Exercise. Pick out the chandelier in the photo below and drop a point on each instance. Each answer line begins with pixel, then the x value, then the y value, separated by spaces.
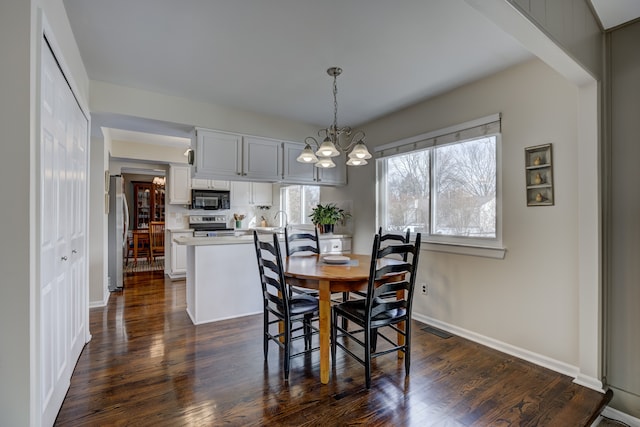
pixel 336 140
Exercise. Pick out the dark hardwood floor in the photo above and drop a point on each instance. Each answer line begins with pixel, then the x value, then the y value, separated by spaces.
pixel 148 365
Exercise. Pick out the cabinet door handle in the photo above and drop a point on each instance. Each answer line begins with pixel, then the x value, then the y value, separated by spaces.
pixel 74 251
pixel 64 258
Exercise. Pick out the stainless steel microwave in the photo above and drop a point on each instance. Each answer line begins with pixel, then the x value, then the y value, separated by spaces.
pixel 210 199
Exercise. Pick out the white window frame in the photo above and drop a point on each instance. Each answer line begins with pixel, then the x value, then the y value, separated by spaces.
pixel 283 202
pixel 475 129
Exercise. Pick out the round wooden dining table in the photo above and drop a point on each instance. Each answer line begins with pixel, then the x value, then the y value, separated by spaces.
pixel 313 272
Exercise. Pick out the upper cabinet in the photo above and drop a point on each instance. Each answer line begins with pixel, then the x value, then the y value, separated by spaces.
pixel 218 154
pixel 301 173
pixel 178 186
pixel 226 155
pixel 210 184
pixel 262 159
pixel 251 193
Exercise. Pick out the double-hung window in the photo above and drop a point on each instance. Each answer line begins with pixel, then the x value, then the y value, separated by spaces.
pixel 298 201
pixel 445 185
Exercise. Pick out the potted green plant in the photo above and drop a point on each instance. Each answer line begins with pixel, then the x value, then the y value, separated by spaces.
pixel 325 217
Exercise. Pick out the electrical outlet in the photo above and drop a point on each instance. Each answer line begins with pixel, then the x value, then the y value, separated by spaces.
pixel 424 288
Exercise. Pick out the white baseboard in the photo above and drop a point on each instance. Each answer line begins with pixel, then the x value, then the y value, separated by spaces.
pixel 176 276
pixel 529 356
pixel 616 415
pixel 103 303
pixel 589 382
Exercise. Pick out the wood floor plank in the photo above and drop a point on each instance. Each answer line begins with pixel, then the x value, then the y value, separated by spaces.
pixel 148 365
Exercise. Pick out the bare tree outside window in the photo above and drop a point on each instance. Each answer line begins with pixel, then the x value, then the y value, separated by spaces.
pixel 408 192
pixel 298 201
pixel 461 200
pixel 465 189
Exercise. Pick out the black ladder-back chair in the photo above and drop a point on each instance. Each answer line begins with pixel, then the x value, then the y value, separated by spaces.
pixel 280 306
pixel 381 308
pixel 302 242
pixel 394 239
pixel 390 239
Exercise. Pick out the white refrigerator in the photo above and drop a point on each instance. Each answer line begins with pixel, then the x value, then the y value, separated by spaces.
pixel 118 230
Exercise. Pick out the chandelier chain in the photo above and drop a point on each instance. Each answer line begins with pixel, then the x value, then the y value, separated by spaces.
pixel 335 108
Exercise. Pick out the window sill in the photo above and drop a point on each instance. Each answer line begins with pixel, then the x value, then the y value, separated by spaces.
pixel 481 251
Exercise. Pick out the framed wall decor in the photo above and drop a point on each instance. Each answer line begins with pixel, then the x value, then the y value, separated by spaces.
pixel 539 175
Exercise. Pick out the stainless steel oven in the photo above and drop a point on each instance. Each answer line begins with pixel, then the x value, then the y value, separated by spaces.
pixel 209 225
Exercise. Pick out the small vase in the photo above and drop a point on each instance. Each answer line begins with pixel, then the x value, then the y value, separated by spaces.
pixel 238 224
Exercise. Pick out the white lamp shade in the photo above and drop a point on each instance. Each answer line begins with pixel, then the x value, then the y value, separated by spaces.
pixel 327 149
pixel 353 161
pixel 360 151
pixel 325 163
pixel 307 156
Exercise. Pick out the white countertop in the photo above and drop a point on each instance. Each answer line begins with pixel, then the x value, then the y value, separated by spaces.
pixel 238 240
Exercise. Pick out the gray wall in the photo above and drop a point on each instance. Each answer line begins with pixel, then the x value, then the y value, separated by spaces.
pixel 571 24
pixel 540 269
pixel 623 315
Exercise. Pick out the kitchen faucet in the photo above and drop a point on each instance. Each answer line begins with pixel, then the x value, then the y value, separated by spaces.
pixel 286 218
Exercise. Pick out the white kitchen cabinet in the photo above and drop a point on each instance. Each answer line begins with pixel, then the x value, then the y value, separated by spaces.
pixel 217 154
pixel 210 184
pixel 177 254
pixel 261 194
pixel 262 159
pixel 334 176
pixel 245 193
pixel 221 154
pixel 294 171
pixel 304 173
pixel 179 184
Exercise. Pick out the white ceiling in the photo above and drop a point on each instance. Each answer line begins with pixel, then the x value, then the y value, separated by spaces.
pixel 616 12
pixel 271 56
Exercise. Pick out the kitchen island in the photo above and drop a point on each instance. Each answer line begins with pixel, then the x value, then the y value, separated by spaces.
pixel 222 274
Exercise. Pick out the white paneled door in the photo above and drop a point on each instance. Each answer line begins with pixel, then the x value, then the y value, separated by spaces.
pixel 63 308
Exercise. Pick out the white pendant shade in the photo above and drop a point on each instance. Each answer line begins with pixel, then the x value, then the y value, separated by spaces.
pixel 327 149
pixel 307 156
pixel 360 152
pixel 356 162
pixel 325 163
